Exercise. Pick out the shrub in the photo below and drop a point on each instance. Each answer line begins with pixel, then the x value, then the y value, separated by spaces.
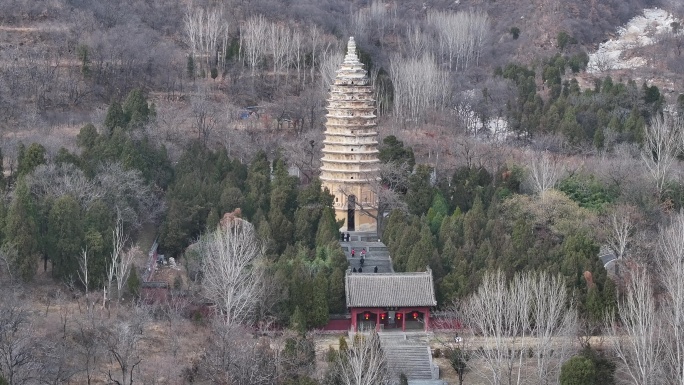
pixel 578 370
pixel 178 282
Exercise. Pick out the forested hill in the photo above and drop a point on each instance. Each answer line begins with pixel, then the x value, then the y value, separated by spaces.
pixel 506 160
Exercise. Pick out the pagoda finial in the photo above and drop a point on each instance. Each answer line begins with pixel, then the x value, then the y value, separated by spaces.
pixel 351 49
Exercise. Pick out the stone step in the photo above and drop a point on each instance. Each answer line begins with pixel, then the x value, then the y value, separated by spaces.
pixel 383 266
pixel 411 359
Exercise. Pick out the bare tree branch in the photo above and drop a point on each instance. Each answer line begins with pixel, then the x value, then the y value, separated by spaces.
pixel 663 139
pixel 670 264
pixel 636 332
pixel 545 170
pixel 232 273
pixel 364 362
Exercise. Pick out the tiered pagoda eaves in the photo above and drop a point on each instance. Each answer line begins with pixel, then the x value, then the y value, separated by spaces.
pixel 350 152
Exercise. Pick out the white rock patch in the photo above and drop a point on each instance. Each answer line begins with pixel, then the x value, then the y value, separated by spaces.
pixel 641 31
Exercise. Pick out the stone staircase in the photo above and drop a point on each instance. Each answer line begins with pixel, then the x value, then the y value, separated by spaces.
pixel 377 253
pixel 409 356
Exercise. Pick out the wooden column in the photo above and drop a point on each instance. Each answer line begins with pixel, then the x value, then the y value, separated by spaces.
pixel 426 318
pixel 403 321
pixel 377 321
pixel 353 320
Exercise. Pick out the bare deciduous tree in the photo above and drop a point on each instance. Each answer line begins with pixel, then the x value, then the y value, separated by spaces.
pixel 86 347
pixel 83 273
pixel 545 170
pixel 18 361
pixel 662 142
pixel 621 224
pixel 121 259
pixel 636 333
pixel 55 180
pixel 126 192
pixel 419 86
pixel 363 363
pixel 236 357
pixel 205 115
pixel 417 42
pixel 279 41
pixel 461 35
pixel 303 151
pixel 253 41
pixel 122 339
pixel 551 318
pixel 232 271
pixel 670 263
pixel 330 61
pixel 370 23
pixel 203 29
pixel 505 314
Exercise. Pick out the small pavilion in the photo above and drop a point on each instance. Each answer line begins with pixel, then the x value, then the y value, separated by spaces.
pixel 390 301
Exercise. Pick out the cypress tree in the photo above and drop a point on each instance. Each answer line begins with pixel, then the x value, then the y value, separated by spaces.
pixel 115 118
pixel 136 109
pixel 298 321
pixel 578 370
pixel 421 252
pixel 258 186
pixel 336 293
pixel 327 228
pixel 420 191
pixel 30 158
pixel 65 236
pixel 21 231
pixel 306 224
pixel 319 315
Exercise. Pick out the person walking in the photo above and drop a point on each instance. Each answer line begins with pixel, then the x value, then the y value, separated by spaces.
pixel 353 252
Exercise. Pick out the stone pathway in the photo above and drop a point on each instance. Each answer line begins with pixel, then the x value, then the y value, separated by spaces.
pixel 377 254
pixel 410 352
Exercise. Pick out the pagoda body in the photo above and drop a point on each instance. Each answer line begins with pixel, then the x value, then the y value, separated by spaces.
pixel 350 153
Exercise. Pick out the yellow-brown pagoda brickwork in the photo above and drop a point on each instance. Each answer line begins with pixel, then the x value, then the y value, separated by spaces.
pixel 350 153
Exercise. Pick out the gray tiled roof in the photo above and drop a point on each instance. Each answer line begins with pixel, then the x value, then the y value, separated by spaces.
pixel 390 290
